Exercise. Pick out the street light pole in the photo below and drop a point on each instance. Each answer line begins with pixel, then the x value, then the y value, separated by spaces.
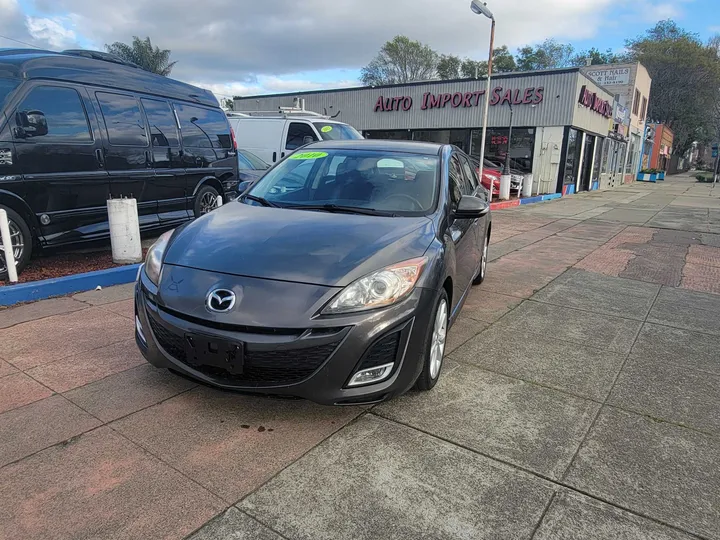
pixel 480 8
pixel 507 156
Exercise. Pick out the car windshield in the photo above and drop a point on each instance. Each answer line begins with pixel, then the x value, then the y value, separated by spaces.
pixel 333 132
pixel 6 87
pixel 248 160
pixel 342 180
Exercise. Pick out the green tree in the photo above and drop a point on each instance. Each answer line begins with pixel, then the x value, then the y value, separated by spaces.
pixel 401 61
pixel 597 57
pixel 448 67
pixel 473 68
pixel 685 76
pixel 549 54
pixel 142 53
pixel 503 60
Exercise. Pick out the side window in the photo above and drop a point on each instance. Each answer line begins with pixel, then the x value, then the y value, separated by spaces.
pixel 203 128
pixel 163 130
pixel 297 133
pixel 123 119
pixel 457 182
pixel 243 162
pixel 470 173
pixel 53 114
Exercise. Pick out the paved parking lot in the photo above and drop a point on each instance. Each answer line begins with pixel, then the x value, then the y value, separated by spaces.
pixel 580 399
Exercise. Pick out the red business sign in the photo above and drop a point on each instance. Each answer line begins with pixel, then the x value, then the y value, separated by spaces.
pixel 595 102
pixel 499 96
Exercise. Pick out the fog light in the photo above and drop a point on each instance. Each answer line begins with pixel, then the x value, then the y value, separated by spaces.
pixel 139 330
pixel 372 375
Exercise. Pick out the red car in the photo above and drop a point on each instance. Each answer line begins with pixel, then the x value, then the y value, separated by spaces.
pixel 490 177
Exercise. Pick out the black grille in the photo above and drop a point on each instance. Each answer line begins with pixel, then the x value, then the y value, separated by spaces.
pixel 381 353
pixel 260 367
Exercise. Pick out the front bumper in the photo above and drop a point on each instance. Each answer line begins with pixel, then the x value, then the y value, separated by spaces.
pixel 314 362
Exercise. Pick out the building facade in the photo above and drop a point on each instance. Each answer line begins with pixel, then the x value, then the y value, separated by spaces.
pixel 560 119
pixel 661 138
pixel 630 85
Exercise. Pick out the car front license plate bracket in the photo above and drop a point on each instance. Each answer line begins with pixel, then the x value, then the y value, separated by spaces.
pixel 210 351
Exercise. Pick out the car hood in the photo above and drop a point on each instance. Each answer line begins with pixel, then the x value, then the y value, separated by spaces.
pixel 302 246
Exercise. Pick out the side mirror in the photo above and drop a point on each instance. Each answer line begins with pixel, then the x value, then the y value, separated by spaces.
pixel 244 186
pixel 31 124
pixel 307 139
pixel 471 207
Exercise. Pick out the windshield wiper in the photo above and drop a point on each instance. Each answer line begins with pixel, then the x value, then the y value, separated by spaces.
pixel 262 201
pixel 337 209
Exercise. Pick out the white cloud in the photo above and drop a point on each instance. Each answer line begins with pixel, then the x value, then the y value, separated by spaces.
pixel 269 85
pixel 230 40
pixel 50 31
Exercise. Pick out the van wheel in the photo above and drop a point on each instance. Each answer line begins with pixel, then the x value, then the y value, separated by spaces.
pixel 205 200
pixel 21 240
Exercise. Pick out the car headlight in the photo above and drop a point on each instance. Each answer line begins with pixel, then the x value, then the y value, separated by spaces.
pixel 153 260
pixel 381 288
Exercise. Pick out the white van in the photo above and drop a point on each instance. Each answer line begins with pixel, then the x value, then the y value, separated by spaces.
pixel 272 136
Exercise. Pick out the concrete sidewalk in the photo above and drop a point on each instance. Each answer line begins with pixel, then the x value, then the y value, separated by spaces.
pixel 580 399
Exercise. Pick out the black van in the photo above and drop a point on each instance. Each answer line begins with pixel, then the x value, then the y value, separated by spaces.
pixel 79 127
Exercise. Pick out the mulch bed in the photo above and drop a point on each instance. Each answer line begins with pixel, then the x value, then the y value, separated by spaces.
pixel 65 264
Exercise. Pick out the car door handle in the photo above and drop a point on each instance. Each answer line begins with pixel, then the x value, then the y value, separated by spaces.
pixel 274 157
pixel 100 157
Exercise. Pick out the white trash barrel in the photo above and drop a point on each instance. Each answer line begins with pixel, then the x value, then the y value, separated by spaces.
pixel 505 187
pixel 527 185
pixel 124 231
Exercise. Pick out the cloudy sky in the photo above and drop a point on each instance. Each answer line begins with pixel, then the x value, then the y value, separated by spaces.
pixel 245 47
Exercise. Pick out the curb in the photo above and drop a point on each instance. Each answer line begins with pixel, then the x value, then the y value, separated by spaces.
pixel 528 200
pixel 47 288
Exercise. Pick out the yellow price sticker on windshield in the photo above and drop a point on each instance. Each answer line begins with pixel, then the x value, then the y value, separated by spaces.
pixel 309 155
pixel 326 129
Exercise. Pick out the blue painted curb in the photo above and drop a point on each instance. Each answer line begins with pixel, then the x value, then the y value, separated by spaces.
pixel 39 290
pixel 551 196
pixel 530 200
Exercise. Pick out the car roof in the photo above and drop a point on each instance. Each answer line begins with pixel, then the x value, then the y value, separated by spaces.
pixel 97 69
pixel 410 147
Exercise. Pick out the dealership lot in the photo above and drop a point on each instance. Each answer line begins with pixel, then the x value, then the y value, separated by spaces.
pixel 580 400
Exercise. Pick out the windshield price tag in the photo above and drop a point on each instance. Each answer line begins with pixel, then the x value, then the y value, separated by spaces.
pixel 326 129
pixel 309 155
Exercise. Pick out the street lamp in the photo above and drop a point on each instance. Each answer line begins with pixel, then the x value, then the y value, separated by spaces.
pixel 480 8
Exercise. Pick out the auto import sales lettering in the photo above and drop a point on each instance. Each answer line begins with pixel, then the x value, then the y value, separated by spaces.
pixel 499 96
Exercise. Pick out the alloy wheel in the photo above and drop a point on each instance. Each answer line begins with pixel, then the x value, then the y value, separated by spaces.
pixel 16 238
pixel 437 347
pixel 208 202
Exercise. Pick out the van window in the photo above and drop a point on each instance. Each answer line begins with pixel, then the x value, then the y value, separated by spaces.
pixel 163 130
pixel 6 87
pixel 123 119
pixel 331 131
pixel 203 128
pixel 53 113
pixel 297 133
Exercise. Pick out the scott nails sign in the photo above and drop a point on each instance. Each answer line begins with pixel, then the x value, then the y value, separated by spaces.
pixel 528 96
pixel 595 102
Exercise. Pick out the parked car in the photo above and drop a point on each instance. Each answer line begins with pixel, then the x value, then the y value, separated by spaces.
pixel 80 127
pixel 272 136
pixel 250 169
pixel 492 170
pixel 340 292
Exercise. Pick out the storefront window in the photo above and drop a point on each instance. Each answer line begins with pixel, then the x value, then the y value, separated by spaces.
pixel 621 157
pixel 605 156
pixel 397 135
pixel 632 158
pixel 458 137
pixel 598 159
pixel 572 156
pixel 496 146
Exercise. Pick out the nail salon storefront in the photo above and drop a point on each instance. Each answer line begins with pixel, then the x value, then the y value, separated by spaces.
pixel 560 119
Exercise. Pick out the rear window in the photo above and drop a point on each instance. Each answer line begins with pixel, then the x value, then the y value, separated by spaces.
pixel 333 132
pixel 203 128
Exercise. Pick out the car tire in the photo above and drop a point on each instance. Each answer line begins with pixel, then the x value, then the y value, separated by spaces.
pixel 205 200
pixel 19 231
pixel 483 262
pixel 434 346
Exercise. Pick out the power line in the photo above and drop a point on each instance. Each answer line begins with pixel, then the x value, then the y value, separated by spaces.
pixel 22 42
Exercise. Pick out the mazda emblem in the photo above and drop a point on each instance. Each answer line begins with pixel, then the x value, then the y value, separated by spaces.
pixel 220 300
